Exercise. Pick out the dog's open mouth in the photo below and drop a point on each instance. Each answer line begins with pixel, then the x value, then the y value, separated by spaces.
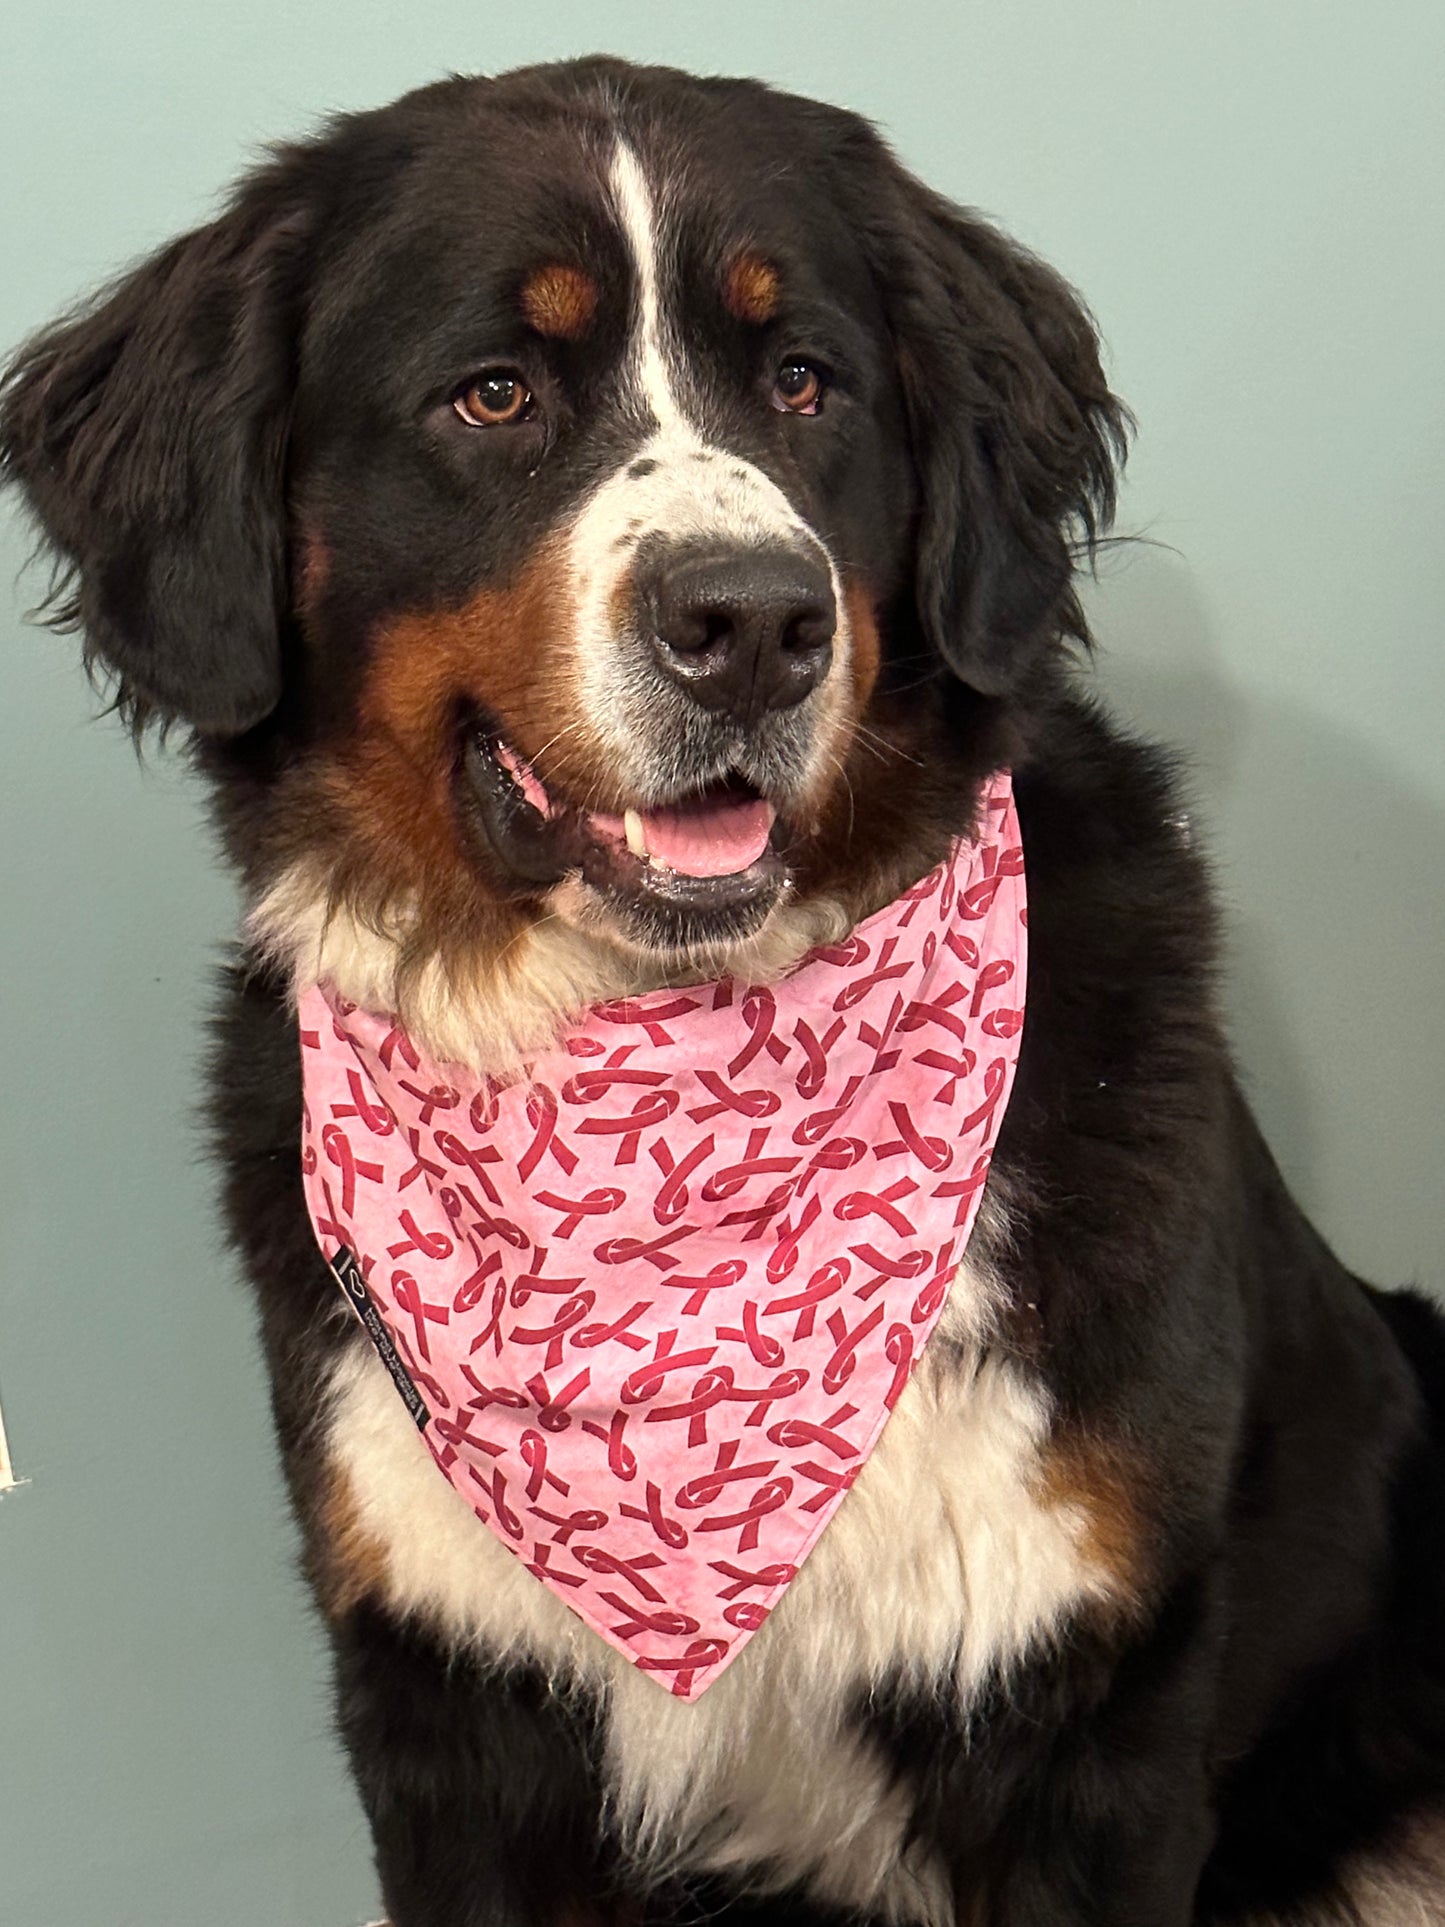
pixel 703 866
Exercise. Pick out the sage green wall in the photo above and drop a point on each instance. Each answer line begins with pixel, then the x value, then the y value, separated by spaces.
pixel 1253 198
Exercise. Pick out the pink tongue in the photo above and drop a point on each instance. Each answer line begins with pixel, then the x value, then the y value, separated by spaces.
pixel 709 839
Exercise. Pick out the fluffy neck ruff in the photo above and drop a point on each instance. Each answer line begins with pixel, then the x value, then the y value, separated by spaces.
pixel 489 1012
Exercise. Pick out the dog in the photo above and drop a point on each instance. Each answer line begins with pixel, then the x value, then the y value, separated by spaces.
pixel 609 538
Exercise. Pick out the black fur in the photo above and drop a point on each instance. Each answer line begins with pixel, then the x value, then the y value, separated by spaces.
pixel 1014 431
pixel 150 436
pixel 1277 1702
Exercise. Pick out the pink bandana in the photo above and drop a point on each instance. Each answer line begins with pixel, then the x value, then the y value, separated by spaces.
pixel 653 1301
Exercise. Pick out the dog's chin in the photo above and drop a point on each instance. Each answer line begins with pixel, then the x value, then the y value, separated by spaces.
pixel 684 882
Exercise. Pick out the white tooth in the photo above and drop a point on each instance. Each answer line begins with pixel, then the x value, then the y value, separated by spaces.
pixel 632 829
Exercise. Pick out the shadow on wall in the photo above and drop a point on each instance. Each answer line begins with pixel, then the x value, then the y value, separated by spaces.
pixel 1330 869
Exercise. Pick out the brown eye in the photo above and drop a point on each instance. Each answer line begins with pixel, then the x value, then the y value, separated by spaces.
pixel 798 389
pixel 494 399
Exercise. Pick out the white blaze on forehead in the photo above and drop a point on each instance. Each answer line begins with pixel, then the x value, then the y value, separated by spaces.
pixel 722 483
pixel 690 490
pixel 633 199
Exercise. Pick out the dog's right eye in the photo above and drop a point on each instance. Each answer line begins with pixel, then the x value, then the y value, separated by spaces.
pixel 799 387
pixel 494 399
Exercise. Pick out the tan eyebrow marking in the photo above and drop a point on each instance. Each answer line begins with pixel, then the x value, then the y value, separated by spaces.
pixel 560 301
pixel 752 288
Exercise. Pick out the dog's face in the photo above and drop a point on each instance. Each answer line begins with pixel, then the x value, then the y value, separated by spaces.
pixel 604 463
pixel 576 499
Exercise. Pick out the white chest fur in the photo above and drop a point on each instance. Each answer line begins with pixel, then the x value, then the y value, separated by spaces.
pixel 948 1559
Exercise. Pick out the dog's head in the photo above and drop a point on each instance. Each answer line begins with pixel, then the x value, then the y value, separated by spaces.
pixel 595 502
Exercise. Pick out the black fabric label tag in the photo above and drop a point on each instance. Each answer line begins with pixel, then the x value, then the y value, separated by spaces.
pixel 348 1276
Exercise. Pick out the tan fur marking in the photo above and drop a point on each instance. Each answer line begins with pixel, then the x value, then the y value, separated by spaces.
pixel 843 796
pixel 1092 1476
pixel 312 569
pixel 752 288
pixel 867 649
pixel 560 301
pixel 383 836
pixel 353 1564
pixel 500 649
pixel 392 784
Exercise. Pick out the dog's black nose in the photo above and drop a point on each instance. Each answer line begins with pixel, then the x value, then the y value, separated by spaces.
pixel 744 631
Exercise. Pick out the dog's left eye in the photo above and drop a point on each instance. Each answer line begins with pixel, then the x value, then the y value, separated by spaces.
pixel 494 398
pixel 798 388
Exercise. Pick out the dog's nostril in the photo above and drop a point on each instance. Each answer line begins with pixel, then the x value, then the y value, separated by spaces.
pixel 809 630
pixel 694 632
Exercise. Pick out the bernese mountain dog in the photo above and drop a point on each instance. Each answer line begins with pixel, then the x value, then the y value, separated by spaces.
pixel 603 533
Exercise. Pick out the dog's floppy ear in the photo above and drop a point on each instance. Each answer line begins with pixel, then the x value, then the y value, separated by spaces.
pixel 1016 437
pixel 149 435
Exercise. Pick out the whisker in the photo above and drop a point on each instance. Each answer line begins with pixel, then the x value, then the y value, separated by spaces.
pixel 527 930
pixel 872 748
pixel 842 770
pixel 871 739
pixel 566 730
